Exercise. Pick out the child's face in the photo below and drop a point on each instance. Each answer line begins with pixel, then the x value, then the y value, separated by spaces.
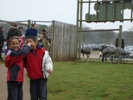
pixel 33 44
pixel 14 44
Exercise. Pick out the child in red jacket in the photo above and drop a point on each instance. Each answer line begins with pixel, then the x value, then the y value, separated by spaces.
pixel 15 65
pixel 34 59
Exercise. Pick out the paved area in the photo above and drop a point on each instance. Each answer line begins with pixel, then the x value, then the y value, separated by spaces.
pixel 95 54
pixel 3 84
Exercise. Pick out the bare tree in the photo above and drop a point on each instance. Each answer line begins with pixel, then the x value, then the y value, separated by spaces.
pixel 86 35
pixel 130 33
pixel 107 36
pixel 128 36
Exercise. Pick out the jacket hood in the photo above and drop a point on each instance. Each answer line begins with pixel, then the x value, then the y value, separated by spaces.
pixel 13 29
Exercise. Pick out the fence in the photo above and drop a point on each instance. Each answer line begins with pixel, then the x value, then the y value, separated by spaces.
pixel 64 41
pixel 63 36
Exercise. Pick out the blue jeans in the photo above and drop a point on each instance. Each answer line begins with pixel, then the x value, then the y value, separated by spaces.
pixel 111 58
pixel 38 89
pixel 15 91
pixel 121 57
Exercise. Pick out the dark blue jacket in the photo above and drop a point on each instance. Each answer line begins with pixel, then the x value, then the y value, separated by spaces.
pixel 14 63
pixel 1 38
pixel 31 32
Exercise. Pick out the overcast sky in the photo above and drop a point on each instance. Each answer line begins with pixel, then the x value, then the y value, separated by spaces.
pixel 47 10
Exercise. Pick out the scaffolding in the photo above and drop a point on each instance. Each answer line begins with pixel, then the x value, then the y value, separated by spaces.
pixel 106 11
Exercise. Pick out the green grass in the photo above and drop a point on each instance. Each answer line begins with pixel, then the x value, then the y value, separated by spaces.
pixel 92 80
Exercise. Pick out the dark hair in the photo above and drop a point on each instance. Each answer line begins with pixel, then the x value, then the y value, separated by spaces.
pixel 43 30
pixel 20 28
pixel 14 24
pixel 1 28
pixel 33 25
pixel 15 37
pixel 32 37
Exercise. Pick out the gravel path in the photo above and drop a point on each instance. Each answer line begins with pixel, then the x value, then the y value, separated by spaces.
pixel 3 84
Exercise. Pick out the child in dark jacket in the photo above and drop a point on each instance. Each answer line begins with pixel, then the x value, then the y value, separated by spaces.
pixel 13 31
pixel 15 65
pixel 38 78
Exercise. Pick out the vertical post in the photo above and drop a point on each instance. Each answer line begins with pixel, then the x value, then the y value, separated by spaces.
pixel 113 10
pixel 77 27
pixel 80 33
pixel 97 10
pixel 105 15
pixel 119 41
pixel 123 7
pixel 33 22
pixel 89 9
pixel 52 40
pixel 131 12
pixel 29 23
pixel 119 37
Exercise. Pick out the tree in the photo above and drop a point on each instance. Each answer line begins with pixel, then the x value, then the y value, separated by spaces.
pixel 128 36
pixel 86 36
pixel 130 33
pixel 107 36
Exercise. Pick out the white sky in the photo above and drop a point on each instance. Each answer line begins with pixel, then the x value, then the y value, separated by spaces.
pixel 48 10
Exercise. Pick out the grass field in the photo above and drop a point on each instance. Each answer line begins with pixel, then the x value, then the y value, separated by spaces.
pixel 92 80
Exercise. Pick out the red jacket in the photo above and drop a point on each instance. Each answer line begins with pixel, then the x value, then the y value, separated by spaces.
pixel 14 63
pixel 34 63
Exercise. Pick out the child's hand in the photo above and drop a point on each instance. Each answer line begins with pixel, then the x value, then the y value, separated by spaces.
pixel 29 44
pixel 49 71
